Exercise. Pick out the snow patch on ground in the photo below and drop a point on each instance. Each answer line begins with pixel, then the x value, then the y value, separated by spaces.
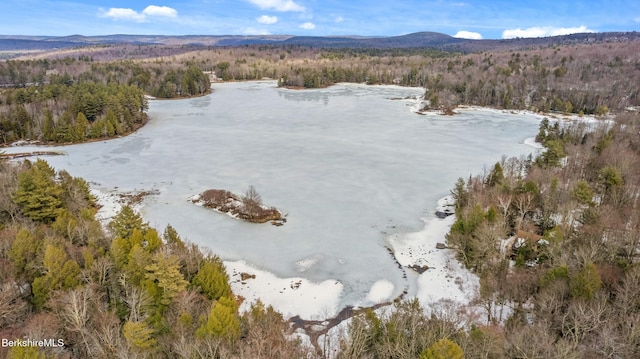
pixel 381 291
pixel 445 278
pixel 289 296
pixel 531 141
pixel 109 202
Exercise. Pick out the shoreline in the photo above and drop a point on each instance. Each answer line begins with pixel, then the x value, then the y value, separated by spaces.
pixel 30 142
pixel 416 109
pixel 437 272
pixel 310 302
pixel 39 143
pixel 312 308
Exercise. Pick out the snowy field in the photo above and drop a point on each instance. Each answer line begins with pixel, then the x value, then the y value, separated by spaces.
pixel 355 170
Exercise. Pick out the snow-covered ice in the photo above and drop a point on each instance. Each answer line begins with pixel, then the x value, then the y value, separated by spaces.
pixel 445 277
pixel 289 296
pixel 350 168
pixel 381 291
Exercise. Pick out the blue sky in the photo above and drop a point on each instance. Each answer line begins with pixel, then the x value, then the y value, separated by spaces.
pixel 462 18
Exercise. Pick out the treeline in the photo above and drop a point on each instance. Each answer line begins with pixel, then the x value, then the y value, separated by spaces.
pixel 75 100
pixel 60 112
pixel 129 292
pixel 299 66
pixel 158 78
pixel 588 79
pixel 567 282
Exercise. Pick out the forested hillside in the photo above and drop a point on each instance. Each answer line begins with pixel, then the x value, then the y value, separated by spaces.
pixel 566 284
pixel 588 79
pixel 128 292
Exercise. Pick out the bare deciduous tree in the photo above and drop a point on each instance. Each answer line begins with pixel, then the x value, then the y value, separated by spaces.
pixel 252 200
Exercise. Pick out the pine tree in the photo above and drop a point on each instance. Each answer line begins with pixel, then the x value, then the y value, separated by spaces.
pixel 139 336
pixel 582 192
pixel 496 176
pixel 586 283
pixel 460 194
pixel 164 271
pixel 60 273
pixel 38 195
pixel 443 349
pixel 48 128
pixel 125 222
pixel 222 321
pixel 172 238
pixel 212 279
pixel 23 254
pixel 81 127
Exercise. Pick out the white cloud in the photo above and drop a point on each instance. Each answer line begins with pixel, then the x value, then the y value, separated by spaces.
pixel 268 20
pixel 462 34
pixel 278 5
pixel 307 26
pixel 153 10
pixel 124 14
pixel 132 15
pixel 339 19
pixel 543 31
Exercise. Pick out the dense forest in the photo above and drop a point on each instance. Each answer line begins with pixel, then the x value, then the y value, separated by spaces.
pixel 73 100
pixel 125 291
pixel 553 238
pixel 566 284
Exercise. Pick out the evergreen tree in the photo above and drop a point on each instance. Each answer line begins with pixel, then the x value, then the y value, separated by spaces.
pixel 24 253
pixel 81 127
pixel 172 238
pixel 443 349
pixel 164 272
pixel 38 195
pixel 223 321
pixel 496 176
pixel 48 128
pixel 212 279
pixel 554 152
pixel 125 222
pixel 60 273
pixel 460 194
pixel 586 283
pixel 582 192
pixel 139 336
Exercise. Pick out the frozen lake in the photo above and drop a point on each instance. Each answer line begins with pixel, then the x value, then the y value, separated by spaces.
pixel 349 164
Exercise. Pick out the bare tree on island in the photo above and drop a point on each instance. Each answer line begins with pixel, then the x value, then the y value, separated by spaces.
pixel 252 201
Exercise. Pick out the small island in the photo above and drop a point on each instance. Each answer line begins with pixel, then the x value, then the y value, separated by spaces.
pixel 248 207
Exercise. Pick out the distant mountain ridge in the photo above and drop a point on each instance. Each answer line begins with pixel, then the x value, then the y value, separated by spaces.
pixel 419 39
